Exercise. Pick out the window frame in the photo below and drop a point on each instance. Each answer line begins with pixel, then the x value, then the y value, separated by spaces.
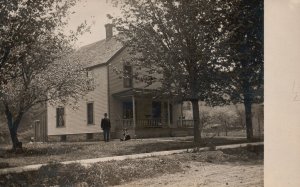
pixel 127 109
pixel 87 113
pixel 58 113
pixel 127 76
pixel 90 80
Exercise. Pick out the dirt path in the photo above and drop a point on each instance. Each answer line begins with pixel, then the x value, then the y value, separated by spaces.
pixel 209 174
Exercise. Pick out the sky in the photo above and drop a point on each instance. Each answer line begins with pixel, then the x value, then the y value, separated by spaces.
pixel 94 12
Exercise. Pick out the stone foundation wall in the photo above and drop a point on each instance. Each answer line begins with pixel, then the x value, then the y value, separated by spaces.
pixel 79 137
pixel 137 133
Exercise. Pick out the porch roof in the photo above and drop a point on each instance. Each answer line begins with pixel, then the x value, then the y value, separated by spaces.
pixel 137 92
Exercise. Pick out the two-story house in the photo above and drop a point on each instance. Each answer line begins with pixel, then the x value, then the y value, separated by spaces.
pixel 128 102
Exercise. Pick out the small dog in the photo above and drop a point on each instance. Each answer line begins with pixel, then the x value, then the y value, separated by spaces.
pixel 126 136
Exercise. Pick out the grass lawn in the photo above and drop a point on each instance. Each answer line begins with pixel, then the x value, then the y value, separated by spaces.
pixel 238 166
pixel 37 153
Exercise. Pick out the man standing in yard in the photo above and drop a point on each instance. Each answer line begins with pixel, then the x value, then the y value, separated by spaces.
pixel 105 126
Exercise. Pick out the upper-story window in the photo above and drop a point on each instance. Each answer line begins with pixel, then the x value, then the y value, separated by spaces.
pixel 127 76
pixel 90 80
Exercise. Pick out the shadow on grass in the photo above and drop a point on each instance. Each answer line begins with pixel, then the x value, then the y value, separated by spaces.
pixel 246 155
pixel 118 172
pixel 77 150
pixel 250 155
pixel 39 151
pixel 99 174
pixel 179 144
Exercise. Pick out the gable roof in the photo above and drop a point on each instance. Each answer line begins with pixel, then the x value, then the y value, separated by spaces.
pixel 99 52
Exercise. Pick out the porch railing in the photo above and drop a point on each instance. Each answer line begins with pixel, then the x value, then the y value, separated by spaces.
pixel 149 122
pixel 125 123
pixel 186 123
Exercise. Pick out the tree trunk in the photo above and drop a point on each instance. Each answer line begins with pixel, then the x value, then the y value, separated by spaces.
pixel 13 128
pixel 226 128
pixel 248 114
pixel 14 138
pixel 197 125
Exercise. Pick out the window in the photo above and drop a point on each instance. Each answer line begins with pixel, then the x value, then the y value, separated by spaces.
pixel 127 76
pixel 90 113
pixel 156 109
pixel 90 80
pixel 60 117
pixel 127 110
pixel 171 113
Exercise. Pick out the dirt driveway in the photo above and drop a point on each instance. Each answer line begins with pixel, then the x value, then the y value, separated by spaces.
pixel 209 174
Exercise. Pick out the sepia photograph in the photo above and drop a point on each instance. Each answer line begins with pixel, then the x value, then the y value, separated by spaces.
pixel 140 93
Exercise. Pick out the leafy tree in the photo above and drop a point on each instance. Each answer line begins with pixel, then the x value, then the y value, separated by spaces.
pixel 176 39
pixel 35 65
pixel 60 82
pixel 205 117
pixel 243 48
pixel 224 116
pixel 24 23
pixel 241 116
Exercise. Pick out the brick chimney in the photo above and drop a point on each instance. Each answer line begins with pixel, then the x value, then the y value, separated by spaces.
pixel 109 30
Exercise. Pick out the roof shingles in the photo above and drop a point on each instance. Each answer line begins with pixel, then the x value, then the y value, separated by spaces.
pixel 98 53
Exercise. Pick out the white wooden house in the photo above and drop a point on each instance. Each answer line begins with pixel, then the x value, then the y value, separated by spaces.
pixel 65 120
pixel 128 103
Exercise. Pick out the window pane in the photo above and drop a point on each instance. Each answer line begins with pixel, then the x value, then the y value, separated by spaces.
pixel 90 113
pixel 127 76
pixel 171 113
pixel 90 80
pixel 156 109
pixel 60 121
pixel 127 110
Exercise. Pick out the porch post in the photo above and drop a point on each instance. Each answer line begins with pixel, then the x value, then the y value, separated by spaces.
pixel 181 114
pixel 133 111
pixel 169 120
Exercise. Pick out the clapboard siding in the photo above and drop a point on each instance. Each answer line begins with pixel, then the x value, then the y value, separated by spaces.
pixel 115 79
pixel 116 85
pixel 76 119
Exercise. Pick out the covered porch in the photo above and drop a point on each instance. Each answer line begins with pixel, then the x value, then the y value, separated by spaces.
pixel 141 109
pixel 144 114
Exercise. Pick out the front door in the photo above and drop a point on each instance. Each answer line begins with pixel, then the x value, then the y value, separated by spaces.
pixel 156 109
pixel 127 110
